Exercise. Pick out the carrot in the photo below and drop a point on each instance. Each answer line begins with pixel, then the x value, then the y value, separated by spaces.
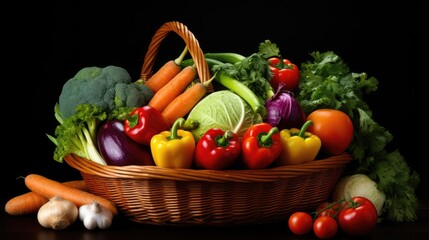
pixel 183 104
pixel 164 74
pixel 27 203
pixel 50 188
pixel 173 88
pixel 30 202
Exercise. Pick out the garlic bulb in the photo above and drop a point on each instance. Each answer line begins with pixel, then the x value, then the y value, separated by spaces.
pixel 58 213
pixel 95 215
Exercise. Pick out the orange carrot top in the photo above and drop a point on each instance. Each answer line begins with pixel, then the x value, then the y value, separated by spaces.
pixel 173 88
pixel 167 72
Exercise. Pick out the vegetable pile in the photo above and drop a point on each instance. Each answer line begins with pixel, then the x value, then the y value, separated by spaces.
pixel 265 112
pixel 327 82
pixel 59 205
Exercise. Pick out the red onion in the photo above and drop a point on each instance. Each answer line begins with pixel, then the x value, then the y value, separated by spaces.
pixel 284 110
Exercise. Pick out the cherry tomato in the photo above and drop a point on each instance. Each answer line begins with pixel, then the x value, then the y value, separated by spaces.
pixel 358 217
pixel 325 227
pixel 333 127
pixel 328 209
pixel 300 223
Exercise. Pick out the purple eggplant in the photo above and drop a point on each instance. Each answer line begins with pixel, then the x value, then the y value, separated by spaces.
pixel 118 149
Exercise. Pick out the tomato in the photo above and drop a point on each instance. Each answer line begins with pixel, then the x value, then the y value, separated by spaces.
pixel 334 128
pixel 328 209
pixel 358 217
pixel 325 227
pixel 300 223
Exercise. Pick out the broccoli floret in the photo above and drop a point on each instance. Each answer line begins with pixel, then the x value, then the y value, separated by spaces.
pixel 92 96
pixel 109 88
pixel 78 133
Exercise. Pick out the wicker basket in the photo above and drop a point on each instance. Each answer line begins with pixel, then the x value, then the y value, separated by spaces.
pixel 155 195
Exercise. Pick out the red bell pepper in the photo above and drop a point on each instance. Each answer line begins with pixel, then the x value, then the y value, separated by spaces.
pixel 261 145
pixel 284 72
pixel 143 123
pixel 217 149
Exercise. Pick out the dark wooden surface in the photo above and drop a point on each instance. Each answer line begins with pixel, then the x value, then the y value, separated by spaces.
pixel 27 227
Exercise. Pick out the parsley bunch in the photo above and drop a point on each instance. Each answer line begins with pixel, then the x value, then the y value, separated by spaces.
pixel 327 82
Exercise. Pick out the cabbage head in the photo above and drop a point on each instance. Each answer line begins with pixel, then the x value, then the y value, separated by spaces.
pixel 225 110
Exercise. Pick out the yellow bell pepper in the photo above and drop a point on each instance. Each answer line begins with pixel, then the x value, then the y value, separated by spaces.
pixel 298 145
pixel 173 149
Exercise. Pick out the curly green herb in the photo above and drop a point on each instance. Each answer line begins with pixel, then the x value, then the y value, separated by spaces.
pixel 327 82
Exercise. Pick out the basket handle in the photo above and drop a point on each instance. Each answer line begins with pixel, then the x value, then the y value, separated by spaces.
pixel 191 42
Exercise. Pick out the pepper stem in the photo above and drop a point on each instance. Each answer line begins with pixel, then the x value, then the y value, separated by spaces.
pixel 281 64
pixel 223 141
pixel 304 127
pixel 176 125
pixel 133 120
pixel 266 139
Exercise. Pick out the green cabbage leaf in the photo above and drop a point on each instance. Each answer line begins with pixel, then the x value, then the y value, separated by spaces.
pixel 225 110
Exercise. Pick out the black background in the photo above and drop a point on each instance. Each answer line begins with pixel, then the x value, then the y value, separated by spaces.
pixel 51 42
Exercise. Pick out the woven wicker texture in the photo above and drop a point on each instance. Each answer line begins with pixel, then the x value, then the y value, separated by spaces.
pixel 191 42
pixel 154 195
